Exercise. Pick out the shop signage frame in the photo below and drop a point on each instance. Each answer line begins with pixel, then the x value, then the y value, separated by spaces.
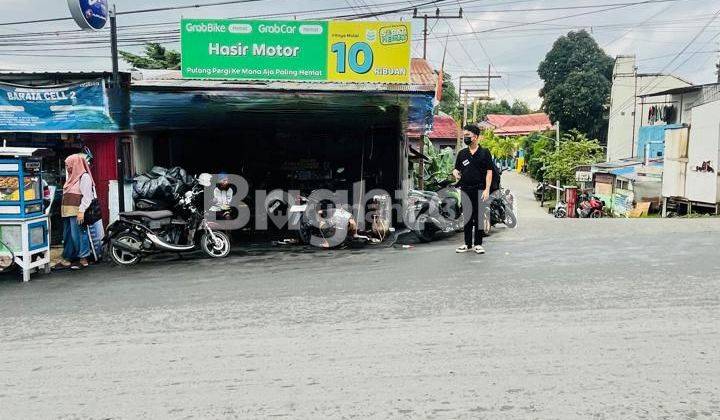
pixel 304 51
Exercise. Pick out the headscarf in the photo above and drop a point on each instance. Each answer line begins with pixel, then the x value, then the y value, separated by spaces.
pixel 76 165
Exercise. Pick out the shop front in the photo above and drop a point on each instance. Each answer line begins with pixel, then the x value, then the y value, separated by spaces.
pixel 67 113
pixel 280 135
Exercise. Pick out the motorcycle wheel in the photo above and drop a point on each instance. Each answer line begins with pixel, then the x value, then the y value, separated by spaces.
pixel 596 214
pixel 219 249
pixel 560 213
pixel 510 219
pixel 427 230
pixel 122 257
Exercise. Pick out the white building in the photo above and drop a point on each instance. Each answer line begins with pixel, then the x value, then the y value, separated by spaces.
pixel 628 111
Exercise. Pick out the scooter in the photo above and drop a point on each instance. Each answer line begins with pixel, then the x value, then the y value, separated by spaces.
pixel 429 213
pixel 138 234
pixel 501 209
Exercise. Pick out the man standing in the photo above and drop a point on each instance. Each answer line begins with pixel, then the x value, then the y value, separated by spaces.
pixel 473 168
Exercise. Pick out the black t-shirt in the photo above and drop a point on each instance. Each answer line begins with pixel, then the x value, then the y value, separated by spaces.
pixel 473 168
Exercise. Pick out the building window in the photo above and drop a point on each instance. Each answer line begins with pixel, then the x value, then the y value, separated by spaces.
pixel 622 185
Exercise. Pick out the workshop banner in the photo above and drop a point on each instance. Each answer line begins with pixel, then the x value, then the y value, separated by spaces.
pixel 73 108
pixel 326 51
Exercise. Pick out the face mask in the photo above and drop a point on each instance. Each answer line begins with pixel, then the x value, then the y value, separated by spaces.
pixel 467 140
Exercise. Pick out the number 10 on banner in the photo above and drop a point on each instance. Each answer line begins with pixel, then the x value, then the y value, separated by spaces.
pixel 359 57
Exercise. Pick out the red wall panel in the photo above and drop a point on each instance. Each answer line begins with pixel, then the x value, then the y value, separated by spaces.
pixel 104 166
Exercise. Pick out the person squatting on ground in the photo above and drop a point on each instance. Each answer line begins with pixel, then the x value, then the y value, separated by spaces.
pixel 78 194
pixel 473 170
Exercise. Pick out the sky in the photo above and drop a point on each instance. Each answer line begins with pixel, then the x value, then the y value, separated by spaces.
pixel 510 36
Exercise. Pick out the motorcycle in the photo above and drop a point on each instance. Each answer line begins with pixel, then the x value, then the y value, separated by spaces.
pixel 501 209
pixel 590 206
pixel 429 213
pixel 542 189
pixel 317 221
pixel 138 234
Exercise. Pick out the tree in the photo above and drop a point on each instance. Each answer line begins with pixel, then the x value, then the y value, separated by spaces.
pixel 156 57
pixel 520 108
pixel 503 108
pixel 577 75
pixel 575 150
pixel 449 104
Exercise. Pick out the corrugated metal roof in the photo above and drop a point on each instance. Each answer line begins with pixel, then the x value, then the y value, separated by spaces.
pixel 518 124
pixel 422 79
pixel 444 127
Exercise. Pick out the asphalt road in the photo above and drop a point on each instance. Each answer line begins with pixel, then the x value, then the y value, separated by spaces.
pixel 561 319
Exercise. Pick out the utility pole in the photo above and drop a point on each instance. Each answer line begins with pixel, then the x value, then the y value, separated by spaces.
pixel 116 92
pixel 483 93
pixel 426 31
pixel 557 147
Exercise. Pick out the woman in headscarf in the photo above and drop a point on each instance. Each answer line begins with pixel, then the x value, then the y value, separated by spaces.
pixel 78 193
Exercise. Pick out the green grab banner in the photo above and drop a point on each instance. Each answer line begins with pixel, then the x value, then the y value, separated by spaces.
pixel 254 50
pixel 328 51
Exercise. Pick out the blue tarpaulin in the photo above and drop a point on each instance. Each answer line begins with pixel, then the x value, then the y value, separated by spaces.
pixel 75 108
pixel 652 133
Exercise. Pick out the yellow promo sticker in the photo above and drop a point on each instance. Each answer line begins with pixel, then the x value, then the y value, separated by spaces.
pixel 369 52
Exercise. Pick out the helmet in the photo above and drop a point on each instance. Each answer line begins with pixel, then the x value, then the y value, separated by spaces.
pixel 205 179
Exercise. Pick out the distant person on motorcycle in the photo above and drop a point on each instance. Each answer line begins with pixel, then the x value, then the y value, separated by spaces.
pixel 474 171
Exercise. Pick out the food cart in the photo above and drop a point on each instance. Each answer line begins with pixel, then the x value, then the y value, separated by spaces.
pixel 24 226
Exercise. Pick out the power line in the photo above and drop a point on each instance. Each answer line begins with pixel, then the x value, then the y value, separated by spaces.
pixel 132 12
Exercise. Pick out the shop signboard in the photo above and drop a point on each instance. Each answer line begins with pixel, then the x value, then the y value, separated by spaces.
pixel 73 108
pixel 583 176
pixel 325 51
pixel 90 14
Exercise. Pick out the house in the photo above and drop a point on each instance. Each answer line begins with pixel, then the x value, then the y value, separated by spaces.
pixel 623 184
pixel 445 132
pixel 692 147
pixel 516 125
pixel 630 109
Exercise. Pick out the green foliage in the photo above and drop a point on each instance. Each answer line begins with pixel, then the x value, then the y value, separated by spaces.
pixel 535 145
pixel 450 103
pixel 575 150
pixel 577 75
pixel 500 147
pixel 503 108
pixel 156 57
pixel 438 168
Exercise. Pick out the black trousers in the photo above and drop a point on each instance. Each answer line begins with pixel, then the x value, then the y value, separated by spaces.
pixel 473 216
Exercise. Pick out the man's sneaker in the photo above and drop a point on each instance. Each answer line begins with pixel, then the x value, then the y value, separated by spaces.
pixel 479 249
pixel 462 249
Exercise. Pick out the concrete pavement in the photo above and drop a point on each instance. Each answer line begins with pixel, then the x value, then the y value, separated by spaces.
pixel 561 319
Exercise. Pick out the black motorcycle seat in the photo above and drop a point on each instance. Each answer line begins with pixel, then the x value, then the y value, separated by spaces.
pixel 152 215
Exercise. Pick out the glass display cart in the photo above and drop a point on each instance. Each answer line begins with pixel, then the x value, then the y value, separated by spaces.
pixel 24 226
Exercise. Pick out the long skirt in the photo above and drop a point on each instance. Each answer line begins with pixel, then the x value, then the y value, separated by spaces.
pixel 82 241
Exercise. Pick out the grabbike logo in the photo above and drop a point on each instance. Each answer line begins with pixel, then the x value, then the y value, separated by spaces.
pixel 328 217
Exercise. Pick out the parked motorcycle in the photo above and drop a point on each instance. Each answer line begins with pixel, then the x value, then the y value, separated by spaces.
pixel 429 213
pixel 501 209
pixel 590 206
pixel 138 234
pixel 542 188
pixel 317 221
